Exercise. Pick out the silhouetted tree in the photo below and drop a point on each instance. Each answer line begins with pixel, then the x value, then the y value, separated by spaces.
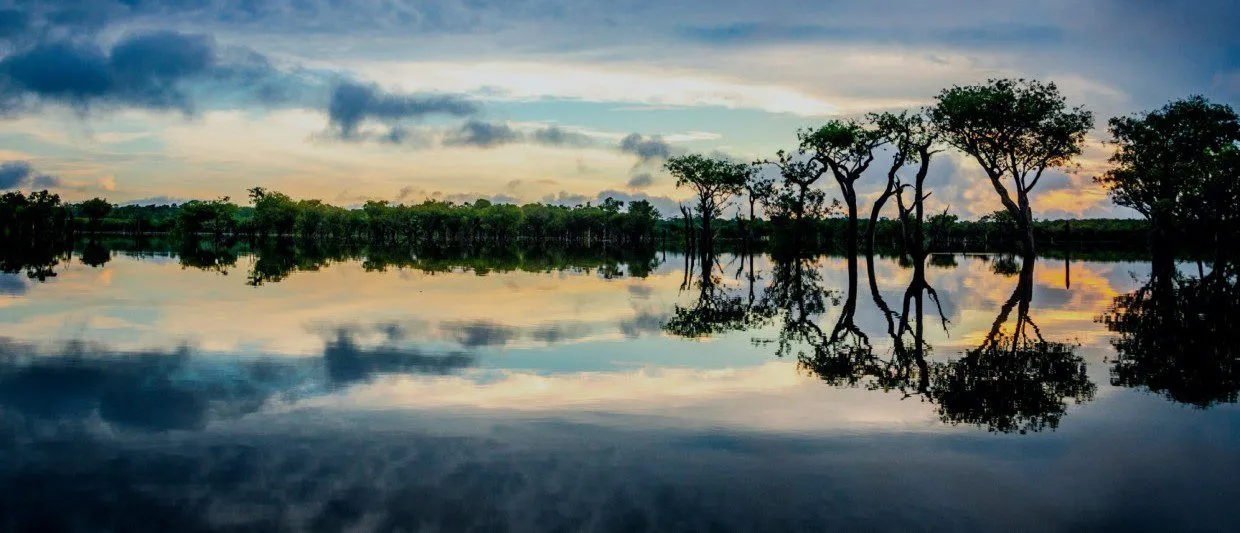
pixel 912 139
pixel 758 188
pixel 1175 166
pixel 95 210
pixel 1016 380
pixel 1016 130
pixel 846 148
pixel 95 254
pixel 795 201
pixel 714 180
pixel 716 309
pixel 1176 335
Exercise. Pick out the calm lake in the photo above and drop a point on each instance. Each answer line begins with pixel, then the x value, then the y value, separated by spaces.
pixel 274 389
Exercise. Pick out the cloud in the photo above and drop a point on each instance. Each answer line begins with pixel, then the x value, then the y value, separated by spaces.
pixel 15 174
pixel 142 70
pixel 556 136
pixel 989 35
pixel 13 285
pixel 483 135
pixel 640 180
pixel 647 149
pixel 407 191
pixel 352 103
pixel 479 333
pixel 13 23
pixel 566 199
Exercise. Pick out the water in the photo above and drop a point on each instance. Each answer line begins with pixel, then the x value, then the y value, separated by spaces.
pixel 208 388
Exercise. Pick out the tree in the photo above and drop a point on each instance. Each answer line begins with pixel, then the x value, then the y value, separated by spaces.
pixel 846 148
pixel 1016 130
pixel 758 188
pixel 714 180
pixel 796 199
pixel 94 210
pixel 913 139
pixel 1172 164
pixel 1016 380
pixel 273 211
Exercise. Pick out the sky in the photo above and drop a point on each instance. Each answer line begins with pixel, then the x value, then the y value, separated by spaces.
pixel 548 100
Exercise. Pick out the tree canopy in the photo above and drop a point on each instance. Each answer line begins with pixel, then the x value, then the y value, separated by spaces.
pixel 1176 164
pixel 1016 130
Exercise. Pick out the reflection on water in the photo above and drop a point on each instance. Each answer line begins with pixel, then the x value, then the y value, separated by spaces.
pixel 331 388
pixel 1174 335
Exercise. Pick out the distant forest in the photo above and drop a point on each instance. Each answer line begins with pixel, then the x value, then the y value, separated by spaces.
pixel 42 216
pixel 1178 166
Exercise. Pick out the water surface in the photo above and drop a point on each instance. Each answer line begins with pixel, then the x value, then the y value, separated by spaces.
pixel 214 388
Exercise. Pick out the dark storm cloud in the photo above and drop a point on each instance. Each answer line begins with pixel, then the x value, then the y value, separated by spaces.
pixel 142 70
pixel 352 103
pixel 647 149
pixel 14 174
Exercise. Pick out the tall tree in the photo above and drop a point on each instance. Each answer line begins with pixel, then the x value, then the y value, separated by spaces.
pixel 714 180
pixel 912 138
pixel 1174 165
pixel 796 198
pixel 846 148
pixel 758 188
pixel 1016 130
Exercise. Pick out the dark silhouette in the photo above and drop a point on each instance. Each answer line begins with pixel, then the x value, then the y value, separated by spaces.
pixel 714 181
pixel 796 296
pixel 795 202
pixel 95 254
pixel 846 148
pixel 1178 167
pixel 94 210
pixel 1016 130
pixel 1176 335
pixel 716 309
pixel 912 138
pixel 1016 380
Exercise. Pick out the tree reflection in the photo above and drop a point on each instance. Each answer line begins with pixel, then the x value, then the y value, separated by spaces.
pixel 207 254
pixel 37 259
pixel 1016 380
pixel 95 254
pixel 845 355
pixel 716 310
pixel 1176 335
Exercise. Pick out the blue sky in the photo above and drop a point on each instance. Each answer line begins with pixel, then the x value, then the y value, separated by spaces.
pixel 546 100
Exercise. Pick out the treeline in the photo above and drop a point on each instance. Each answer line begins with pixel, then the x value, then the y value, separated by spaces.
pixel 274 214
pixel 274 260
pixel 43 216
